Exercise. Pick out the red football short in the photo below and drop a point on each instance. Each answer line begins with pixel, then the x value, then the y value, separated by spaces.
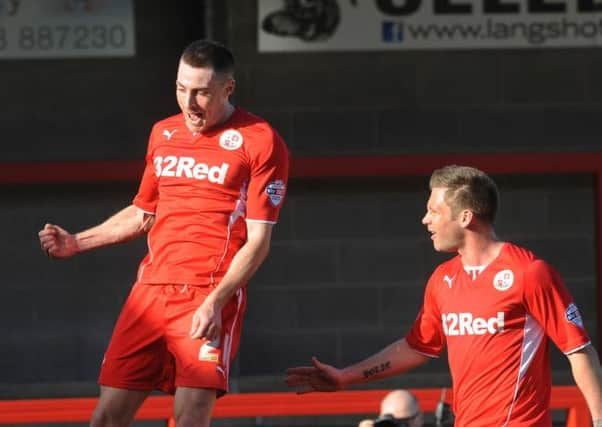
pixel 151 349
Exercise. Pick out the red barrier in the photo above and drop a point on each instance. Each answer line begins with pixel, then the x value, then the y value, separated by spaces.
pixel 319 167
pixel 567 398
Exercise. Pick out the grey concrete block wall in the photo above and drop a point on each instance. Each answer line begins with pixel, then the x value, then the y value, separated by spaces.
pixel 100 108
pixel 539 77
pixel 57 316
pixel 457 101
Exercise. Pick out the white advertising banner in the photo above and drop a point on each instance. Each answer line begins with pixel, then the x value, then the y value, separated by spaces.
pixel 66 28
pixel 343 25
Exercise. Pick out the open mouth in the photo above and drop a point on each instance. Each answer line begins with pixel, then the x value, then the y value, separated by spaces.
pixel 196 119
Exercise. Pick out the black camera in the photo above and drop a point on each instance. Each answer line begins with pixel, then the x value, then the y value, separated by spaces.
pixel 443 414
pixel 389 420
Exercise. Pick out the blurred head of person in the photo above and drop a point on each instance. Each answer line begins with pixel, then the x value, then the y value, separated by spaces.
pixel 399 408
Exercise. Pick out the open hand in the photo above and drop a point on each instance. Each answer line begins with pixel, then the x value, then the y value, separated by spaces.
pixel 319 377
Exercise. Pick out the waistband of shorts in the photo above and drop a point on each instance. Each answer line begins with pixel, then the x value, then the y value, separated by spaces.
pixel 193 285
pixel 202 282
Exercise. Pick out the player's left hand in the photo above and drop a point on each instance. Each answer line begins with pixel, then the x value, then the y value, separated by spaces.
pixel 206 321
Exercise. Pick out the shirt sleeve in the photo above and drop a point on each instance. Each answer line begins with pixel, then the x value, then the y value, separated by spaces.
pixel 148 195
pixel 426 335
pixel 550 303
pixel 268 179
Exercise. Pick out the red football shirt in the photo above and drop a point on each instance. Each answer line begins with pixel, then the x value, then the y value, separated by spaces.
pixel 495 326
pixel 201 188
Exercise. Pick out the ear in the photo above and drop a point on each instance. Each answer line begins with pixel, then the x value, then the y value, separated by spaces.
pixel 230 85
pixel 466 218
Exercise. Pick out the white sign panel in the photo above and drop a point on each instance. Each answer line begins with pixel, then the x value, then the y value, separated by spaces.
pixel 338 25
pixel 66 28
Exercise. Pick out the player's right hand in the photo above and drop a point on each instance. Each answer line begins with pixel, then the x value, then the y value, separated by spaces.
pixel 57 242
pixel 319 377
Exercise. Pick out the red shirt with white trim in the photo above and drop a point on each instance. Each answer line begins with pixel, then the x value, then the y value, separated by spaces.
pixel 202 187
pixel 495 325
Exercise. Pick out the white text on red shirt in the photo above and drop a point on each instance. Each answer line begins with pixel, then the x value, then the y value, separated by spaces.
pixel 187 166
pixel 466 324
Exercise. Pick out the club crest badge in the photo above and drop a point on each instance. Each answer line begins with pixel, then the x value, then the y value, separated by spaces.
pixel 503 280
pixel 276 191
pixel 231 140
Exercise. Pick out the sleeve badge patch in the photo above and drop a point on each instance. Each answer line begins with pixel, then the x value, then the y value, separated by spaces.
pixel 572 315
pixel 276 191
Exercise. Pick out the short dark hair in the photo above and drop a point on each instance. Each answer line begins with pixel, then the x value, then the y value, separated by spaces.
pixel 209 54
pixel 467 188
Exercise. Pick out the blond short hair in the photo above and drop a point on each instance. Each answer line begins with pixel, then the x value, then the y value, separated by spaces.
pixel 467 188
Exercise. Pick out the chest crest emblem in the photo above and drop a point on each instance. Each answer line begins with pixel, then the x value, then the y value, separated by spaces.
pixel 503 280
pixel 230 140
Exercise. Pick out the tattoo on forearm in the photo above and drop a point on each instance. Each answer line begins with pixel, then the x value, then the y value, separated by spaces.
pixel 377 369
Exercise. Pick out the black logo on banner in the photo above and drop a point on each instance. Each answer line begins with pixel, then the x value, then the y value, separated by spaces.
pixel 308 20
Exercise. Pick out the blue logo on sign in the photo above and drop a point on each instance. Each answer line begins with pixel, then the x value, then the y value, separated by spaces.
pixel 392 32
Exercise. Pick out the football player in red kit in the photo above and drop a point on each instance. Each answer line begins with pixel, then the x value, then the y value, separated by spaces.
pixel 493 305
pixel 214 183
